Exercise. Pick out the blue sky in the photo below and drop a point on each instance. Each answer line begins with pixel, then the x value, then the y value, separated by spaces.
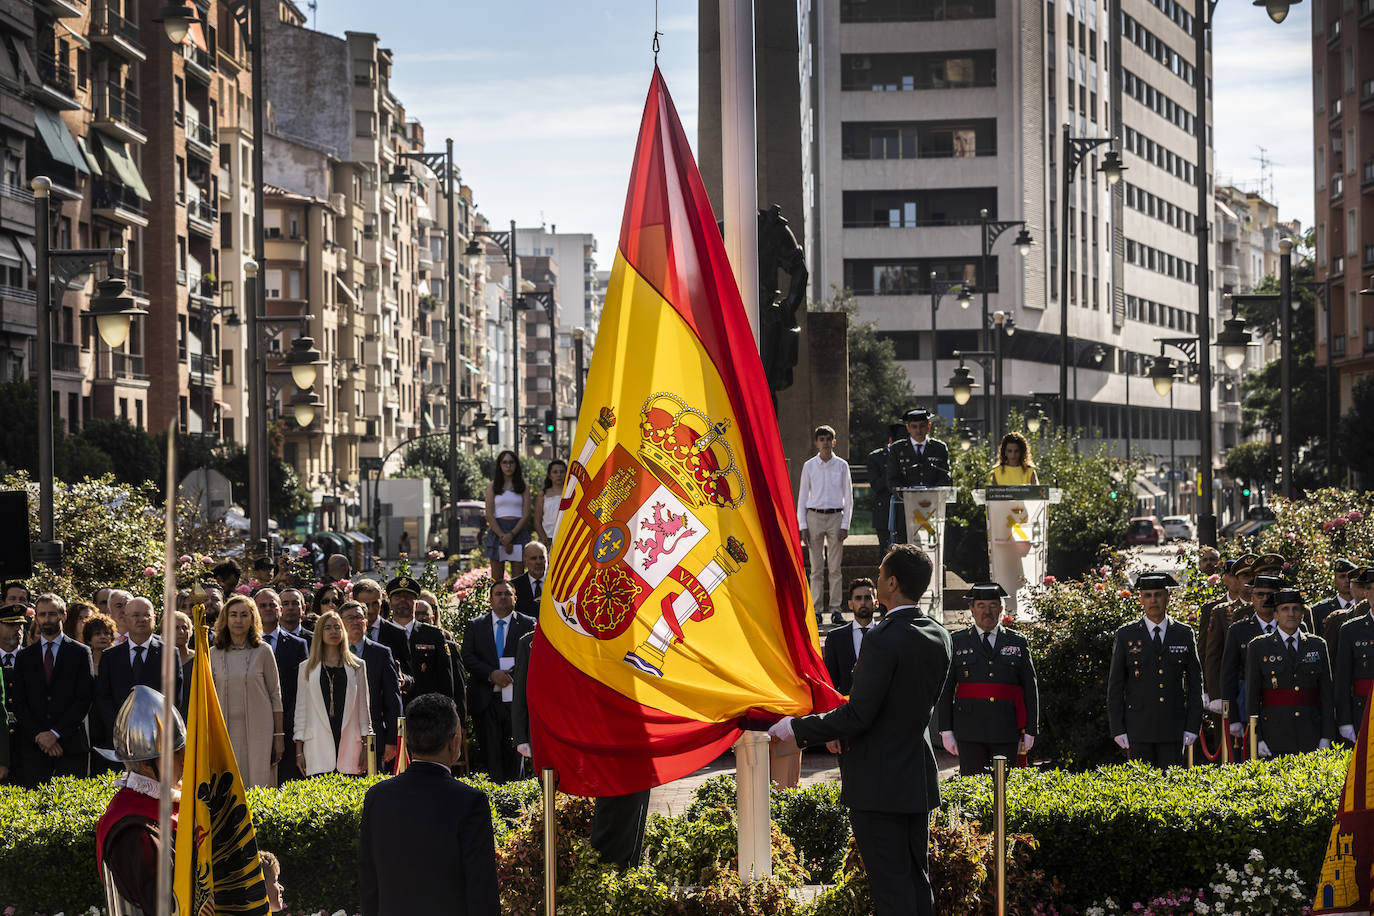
pixel 543 98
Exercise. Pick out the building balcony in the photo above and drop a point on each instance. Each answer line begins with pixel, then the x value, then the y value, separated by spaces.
pixel 1366 13
pixel 118 113
pixel 199 64
pixel 1333 111
pixel 1368 255
pixel 16 208
pixel 201 216
pixel 63 9
pixel 1337 187
pixel 120 367
pixel 278 247
pixel 1367 174
pixel 118 203
pixel 1337 267
pixel 200 139
pixel 1333 31
pixel 57 86
pixel 66 357
pixel 111 30
pixel 18 310
pixel 203 367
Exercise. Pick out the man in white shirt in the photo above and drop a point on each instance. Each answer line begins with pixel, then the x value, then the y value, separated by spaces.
pixel 292 607
pixel 118 600
pixel 529 586
pixel 825 502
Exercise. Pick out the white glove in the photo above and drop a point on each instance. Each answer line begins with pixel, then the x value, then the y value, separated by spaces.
pixel 1236 729
pixel 1214 706
pixel 1206 700
pixel 1027 742
pixel 524 750
pixel 951 746
pixel 1264 750
pixel 1122 742
pixel 1348 733
pixel 1188 739
pixel 782 729
pixel 1323 744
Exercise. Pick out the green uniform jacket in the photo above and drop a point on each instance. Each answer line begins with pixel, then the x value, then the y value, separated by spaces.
pixel 1323 609
pixel 1354 662
pixel 1331 629
pixel 1268 665
pixel 1233 658
pixel 888 764
pixel 989 721
pixel 1155 696
pixel 4 727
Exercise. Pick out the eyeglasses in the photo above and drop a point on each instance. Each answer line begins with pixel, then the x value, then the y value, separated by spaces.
pixel 330 601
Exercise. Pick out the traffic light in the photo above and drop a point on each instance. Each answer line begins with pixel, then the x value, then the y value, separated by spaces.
pixel 1113 494
pixel 548 421
pixel 1245 491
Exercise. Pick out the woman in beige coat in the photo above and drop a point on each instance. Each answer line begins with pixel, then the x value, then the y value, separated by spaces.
pixel 245 674
pixel 332 714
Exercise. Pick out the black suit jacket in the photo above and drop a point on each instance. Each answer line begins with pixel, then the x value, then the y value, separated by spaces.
pixel 60 706
pixel 876 462
pixel 479 655
pixel 1154 697
pixel 1319 611
pixel 1238 637
pixel 525 602
pixel 383 693
pixel 115 679
pixel 888 764
pixel 1354 662
pixel 431 667
pixel 519 707
pixel 393 636
pixel 426 808
pixel 839 656
pixel 290 653
pixel 905 470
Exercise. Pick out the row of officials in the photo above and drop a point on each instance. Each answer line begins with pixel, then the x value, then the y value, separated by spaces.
pixel 1257 649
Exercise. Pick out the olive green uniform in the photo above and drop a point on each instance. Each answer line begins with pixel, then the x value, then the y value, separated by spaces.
pixel 1291 692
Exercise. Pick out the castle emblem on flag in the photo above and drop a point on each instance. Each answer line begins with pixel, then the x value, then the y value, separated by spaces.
pixel 634 520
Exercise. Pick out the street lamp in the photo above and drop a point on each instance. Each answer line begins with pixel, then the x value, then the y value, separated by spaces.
pixel 1162 375
pixel 505 240
pixel 1234 339
pixel 938 288
pixel 991 231
pixel 304 361
pixel 1277 9
pixel 965 438
pixel 304 405
pixel 176 19
pixel 113 310
pixel 962 384
pixel 1035 417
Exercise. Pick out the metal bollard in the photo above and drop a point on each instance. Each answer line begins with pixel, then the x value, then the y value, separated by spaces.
pixel 550 784
pixel 371 755
pixel 1225 731
pixel 1190 756
pixel 401 759
pixel 1254 737
pixel 999 802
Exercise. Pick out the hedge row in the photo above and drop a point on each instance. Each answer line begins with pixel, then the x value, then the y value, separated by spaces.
pixel 1128 828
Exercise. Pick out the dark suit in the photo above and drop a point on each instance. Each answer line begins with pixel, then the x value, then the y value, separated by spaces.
pixel 1291 693
pixel 383 694
pixel 1331 627
pixel 985 728
pixel 1155 695
pixel 839 655
pixel 525 602
pixel 425 808
pixel 881 495
pixel 889 779
pixel 519 706
pixel 7 711
pixel 491 716
pixel 1233 662
pixel 907 469
pixel 430 665
pixel 1354 664
pixel 1321 609
pixel 1214 643
pixel 60 705
pixel 4 726
pixel 393 636
pixel 115 680
pixel 290 653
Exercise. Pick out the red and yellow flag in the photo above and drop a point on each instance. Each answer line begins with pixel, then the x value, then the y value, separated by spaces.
pixel 676 607
pixel 1345 886
pixel 216 846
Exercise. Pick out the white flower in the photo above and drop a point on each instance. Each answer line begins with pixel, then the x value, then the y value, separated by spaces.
pixel 1200 907
pixel 1256 855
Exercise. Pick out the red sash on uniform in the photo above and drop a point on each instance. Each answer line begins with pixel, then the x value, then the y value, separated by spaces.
pixel 126 803
pixel 1292 696
pixel 1012 692
pixel 1364 687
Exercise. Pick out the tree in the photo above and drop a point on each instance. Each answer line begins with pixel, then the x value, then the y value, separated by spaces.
pixel 1253 462
pixel 136 454
pixel 879 391
pixel 1355 427
pixel 428 457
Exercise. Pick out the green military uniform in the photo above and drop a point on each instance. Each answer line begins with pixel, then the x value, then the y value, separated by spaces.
pixel 1238 639
pixel 1354 667
pixel 9 728
pixel 1213 642
pixel 1290 691
pixel 1331 628
pixel 979 703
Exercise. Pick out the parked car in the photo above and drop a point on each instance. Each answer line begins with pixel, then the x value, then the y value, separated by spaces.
pixel 1177 526
pixel 1144 529
pixel 1246 526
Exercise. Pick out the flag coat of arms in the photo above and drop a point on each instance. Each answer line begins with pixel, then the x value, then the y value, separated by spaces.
pixel 1347 876
pixel 216 846
pixel 676 609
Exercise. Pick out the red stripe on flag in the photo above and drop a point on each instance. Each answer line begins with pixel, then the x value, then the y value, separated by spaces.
pixel 625 746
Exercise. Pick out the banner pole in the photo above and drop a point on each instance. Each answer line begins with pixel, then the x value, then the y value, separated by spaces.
pixel 739 156
pixel 751 784
pixel 550 784
pixel 999 790
pixel 165 840
pixel 1225 731
pixel 401 759
pixel 1254 737
pixel 371 755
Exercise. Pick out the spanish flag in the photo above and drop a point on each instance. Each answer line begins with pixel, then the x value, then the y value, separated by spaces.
pixel 216 847
pixel 676 610
pixel 1345 885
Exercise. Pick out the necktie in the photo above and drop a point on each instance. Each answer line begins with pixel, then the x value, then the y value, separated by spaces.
pixel 1159 640
pixel 357 649
pixel 920 452
pixel 138 664
pixel 272 639
pixel 1293 646
pixel 7 661
pixel 987 642
pixel 375 627
pixel 49 658
pixel 538 587
pixel 500 637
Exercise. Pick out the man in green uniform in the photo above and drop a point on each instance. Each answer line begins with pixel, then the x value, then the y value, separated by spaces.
pixel 1354 666
pixel 1154 691
pixel 1288 683
pixel 1260 623
pixel 990 705
pixel 1215 619
pixel 1359 593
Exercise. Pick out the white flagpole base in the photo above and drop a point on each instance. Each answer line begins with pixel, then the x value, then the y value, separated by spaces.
pixel 751 784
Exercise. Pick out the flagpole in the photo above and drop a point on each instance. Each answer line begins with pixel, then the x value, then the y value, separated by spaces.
pixel 169 659
pixel 739 173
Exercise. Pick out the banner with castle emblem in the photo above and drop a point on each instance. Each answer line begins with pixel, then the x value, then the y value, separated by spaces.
pixel 1345 886
pixel 676 611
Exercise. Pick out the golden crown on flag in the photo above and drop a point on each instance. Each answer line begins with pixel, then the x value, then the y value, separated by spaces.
pixel 690 449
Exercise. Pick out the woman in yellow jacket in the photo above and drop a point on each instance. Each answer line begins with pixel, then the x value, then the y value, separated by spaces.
pixel 1014 466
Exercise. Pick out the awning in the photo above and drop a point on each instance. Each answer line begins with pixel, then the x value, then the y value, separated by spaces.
pixel 59 140
pixel 196 33
pixel 93 162
pixel 9 252
pixel 26 249
pixel 122 164
pixel 345 291
pixel 75 35
pixel 1143 486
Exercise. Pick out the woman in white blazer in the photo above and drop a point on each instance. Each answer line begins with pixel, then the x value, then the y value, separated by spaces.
pixel 332 714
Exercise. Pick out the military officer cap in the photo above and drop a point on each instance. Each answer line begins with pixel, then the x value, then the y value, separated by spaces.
pixel 1285 596
pixel 1270 562
pixel 1267 581
pixel 1244 563
pixel 986 591
pixel 1342 565
pixel 916 415
pixel 403 584
pixel 1153 580
pixel 14 613
pixel 896 430
pixel 1364 575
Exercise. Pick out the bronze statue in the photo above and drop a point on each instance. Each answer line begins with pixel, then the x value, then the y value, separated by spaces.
pixel 779 334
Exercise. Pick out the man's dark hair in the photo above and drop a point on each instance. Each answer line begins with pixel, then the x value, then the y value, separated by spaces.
pixel 227 568
pixel 28 595
pixel 912 569
pixel 431 723
pixel 859 583
pixel 823 431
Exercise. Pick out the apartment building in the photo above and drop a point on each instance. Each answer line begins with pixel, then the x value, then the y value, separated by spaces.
pixel 920 115
pixel 18 302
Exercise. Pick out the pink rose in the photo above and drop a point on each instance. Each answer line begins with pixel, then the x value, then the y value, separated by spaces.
pixel 1099 587
pixel 1048 580
pixel 184 559
pixel 149 571
pixel 1125 593
pixel 244 590
pixel 207 561
pixel 434 555
pixel 1008 620
pixel 304 552
pixel 1338 522
pixel 1326 527
pixel 1355 515
pixel 1213 579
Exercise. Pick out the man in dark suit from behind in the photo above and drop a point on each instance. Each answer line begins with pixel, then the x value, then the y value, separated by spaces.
pixel 137 660
pixel 55 690
pixel 486 641
pixel 529 586
pixel 889 780
pixel 383 688
pixel 425 808
pixel 842 643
